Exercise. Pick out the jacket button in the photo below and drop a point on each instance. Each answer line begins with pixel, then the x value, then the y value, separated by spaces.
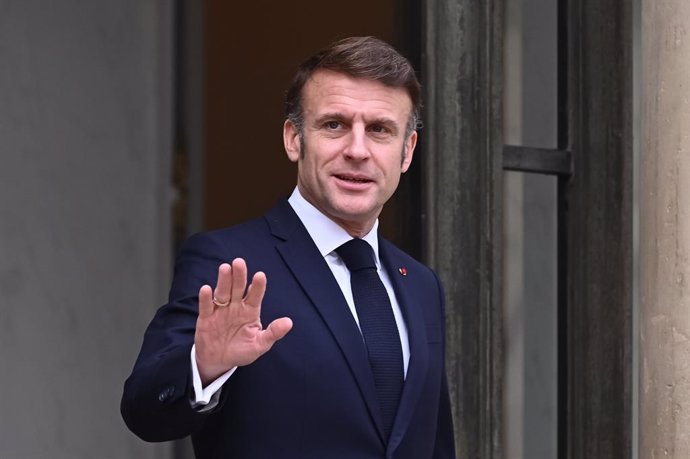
pixel 166 393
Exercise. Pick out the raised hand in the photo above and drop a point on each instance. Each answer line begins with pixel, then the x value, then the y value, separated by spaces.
pixel 228 329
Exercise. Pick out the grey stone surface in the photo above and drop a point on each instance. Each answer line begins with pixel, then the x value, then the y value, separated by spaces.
pixel 84 217
pixel 664 424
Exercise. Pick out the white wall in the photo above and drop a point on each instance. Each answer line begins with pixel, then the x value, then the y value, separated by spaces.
pixel 85 147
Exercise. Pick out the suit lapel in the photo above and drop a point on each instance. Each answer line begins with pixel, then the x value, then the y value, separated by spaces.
pixel 312 272
pixel 416 331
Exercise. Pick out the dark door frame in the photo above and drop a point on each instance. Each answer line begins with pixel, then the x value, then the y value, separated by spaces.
pixel 460 216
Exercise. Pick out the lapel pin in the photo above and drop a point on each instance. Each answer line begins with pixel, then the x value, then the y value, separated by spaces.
pixel 402 271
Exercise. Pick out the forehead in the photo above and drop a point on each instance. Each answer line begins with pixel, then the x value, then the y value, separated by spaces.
pixel 328 91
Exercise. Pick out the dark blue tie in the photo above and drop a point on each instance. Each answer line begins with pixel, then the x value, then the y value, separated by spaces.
pixel 377 322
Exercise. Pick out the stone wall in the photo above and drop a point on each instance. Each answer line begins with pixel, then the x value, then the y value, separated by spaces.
pixel 85 132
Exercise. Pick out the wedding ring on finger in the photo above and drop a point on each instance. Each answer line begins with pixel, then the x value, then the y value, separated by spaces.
pixel 220 304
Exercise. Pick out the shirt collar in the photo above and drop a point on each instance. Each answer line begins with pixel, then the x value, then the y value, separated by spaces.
pixel 327 234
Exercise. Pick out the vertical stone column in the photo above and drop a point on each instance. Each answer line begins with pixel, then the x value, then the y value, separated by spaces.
pixel 665 231
pixel 462 76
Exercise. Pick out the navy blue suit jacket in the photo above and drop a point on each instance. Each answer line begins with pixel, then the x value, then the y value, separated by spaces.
pixel 312 395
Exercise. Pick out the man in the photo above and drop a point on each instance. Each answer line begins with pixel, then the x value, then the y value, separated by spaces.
pixel 351 364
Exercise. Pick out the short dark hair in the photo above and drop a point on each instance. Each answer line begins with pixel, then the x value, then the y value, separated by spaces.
pixel 367 58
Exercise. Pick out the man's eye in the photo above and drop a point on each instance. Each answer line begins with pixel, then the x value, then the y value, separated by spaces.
pixel 378 129
pixel 332 124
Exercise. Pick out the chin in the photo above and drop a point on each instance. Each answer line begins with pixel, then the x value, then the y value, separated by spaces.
pixel 355 213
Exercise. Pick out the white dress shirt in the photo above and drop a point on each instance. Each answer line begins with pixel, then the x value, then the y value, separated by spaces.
pixel 328 236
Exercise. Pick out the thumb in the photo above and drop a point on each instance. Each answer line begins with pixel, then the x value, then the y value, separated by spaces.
pixel 275 331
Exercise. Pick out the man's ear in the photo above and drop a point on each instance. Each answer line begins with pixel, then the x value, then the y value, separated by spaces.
pixel 408 150
pixel 291 140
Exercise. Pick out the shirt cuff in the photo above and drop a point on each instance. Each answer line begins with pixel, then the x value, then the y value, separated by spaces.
pixel 203 395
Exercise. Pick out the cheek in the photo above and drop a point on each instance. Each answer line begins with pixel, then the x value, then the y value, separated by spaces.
pixel 393 182
pixel 310 170
pixel 394 166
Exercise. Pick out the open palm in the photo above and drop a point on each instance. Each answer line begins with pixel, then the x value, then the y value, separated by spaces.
pixel 228 330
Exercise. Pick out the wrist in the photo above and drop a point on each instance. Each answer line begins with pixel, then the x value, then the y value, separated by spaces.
pixel 209 373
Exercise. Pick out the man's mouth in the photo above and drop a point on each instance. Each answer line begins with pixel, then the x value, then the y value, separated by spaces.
pixel 353 179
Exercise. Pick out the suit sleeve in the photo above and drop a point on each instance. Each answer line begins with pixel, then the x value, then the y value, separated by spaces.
pixel 156 398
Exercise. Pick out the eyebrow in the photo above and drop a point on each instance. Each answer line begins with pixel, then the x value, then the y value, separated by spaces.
pixel 330 116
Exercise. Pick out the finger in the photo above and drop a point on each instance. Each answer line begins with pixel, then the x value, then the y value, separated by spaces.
pixel 275 331
pixel 239 279
pixel 256 291
pixel 223 284
pixel 205 301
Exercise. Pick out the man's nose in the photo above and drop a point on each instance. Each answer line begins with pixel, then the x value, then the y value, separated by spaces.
pixel 357 146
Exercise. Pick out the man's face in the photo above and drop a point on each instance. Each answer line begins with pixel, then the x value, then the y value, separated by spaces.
pixel 353 149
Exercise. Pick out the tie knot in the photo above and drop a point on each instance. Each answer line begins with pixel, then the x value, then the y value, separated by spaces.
pixel 357 254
